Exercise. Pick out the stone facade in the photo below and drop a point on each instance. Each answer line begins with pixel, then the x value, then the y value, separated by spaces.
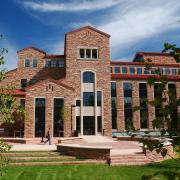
pixel 67 82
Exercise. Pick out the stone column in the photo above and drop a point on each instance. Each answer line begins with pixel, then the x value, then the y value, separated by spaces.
pixel 67 119
pixel 178 97
pixel 29 124
pixel 135 102
pixel 120 106
pixel 49 114
pixel 151 109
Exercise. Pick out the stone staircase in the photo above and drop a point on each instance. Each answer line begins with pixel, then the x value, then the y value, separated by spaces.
pixel 129 159
pixel 43 158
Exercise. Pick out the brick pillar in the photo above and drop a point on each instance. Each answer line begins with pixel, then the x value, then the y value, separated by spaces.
pixel 120 106
pixel 67 119
pixel 29 125
pixel 49 115
pixel 135 102
pixel 151 109
pixel 178 97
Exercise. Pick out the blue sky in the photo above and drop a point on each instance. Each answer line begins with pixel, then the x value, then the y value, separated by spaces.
pixel 134 25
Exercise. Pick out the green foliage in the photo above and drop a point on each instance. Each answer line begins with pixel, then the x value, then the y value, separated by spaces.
pixel 166 103
pixel 3 159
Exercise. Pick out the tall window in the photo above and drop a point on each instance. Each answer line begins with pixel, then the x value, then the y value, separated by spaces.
pixel 27 63
pixel 174 112
pixel 88 77
pixel 143 105
pixel 99 98
pixel 88 98
pixel 23 83
pixel 113 105
pixel 128 113
pixel 158 98
pixel 35 61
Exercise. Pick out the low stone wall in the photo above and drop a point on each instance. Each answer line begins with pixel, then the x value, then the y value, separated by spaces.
pixel 87 152
pixel 128 138
pixel 14 140
pixel 155 157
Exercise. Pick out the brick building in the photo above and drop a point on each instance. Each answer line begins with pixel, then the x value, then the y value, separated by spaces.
pixel 83 89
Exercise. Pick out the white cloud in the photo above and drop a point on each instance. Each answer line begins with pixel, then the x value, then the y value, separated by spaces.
pixel 134 22
pixel 72 6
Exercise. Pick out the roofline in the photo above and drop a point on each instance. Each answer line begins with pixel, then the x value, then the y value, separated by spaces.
pixel 12 70
pixel 143 63
pixel 51 80
pixel 54 56
pixel 142 76
pixel 151 54
pixel 89 27
pixel 32 47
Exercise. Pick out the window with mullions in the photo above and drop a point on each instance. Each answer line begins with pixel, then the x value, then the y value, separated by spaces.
pixel 146 71
pixel 88 77
pixel 88 53
pixel 132 70
pixel 166 71
pixel 139 70
pixel 35 62
pixel 113 105
pixel 174 71
pixel 128 112
pixel 88 98
pixel 143 105
pixel 124 70
pixel 116 70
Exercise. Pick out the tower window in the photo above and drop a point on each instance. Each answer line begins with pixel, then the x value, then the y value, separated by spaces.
pixel 27 63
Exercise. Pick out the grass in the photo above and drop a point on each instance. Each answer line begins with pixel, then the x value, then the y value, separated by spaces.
pixel 94 172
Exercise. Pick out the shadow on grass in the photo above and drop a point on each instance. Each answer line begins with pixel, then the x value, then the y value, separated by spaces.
pixel 169 175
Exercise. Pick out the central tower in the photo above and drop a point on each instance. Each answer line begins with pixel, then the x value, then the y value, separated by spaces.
pixel 87 56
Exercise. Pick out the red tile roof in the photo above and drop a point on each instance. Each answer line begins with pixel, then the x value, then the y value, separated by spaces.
pixel 143 64
pixel 142 76
pixel 15 92
pixel 152 54
pixel 32 47
pixel 51 56
pixel 58 82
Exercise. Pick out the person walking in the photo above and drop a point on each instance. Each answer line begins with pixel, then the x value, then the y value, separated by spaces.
pixel 48 136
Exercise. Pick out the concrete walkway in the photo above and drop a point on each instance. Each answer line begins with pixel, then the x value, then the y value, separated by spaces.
pixel 33 147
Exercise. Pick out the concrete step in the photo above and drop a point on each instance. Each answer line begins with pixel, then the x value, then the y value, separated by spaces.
pixel 49 158
pixel 32 154
pixel 129 159
pixel 57 163
pixel 129 163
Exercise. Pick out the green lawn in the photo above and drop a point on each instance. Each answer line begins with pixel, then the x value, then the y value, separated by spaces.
pixel 93 172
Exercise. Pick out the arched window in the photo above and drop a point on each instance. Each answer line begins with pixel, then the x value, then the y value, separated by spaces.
pixel 88 77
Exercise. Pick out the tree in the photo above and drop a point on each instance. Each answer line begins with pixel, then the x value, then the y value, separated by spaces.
pixel 9 109
pixel 167 103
